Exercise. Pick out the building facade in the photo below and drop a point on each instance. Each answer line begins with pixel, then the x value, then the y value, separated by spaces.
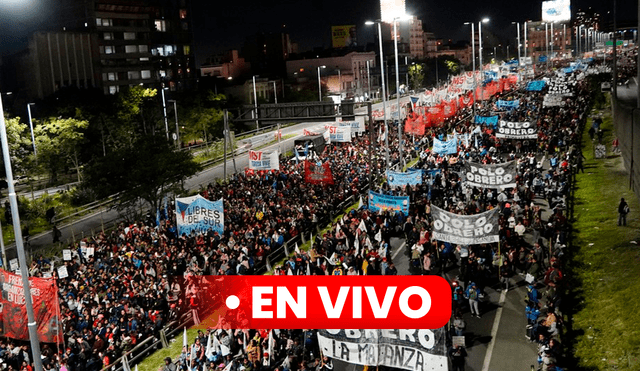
pixel 542 40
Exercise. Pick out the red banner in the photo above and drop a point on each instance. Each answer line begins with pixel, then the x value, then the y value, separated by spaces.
pixel 436 116
pixel 317 174
pixel 414 124
pixel 13 320
pixel 465 100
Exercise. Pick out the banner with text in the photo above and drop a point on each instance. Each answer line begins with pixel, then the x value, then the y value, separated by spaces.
pixel 465 229
pixel 491 175
pixel 448 147
pixel 417 350
pixel 487 120
pixel 517 130
pixel 339 134
pixel 13 321
pixel 508 104
pixel 259 160
pixel 397 179
pixel 378 201
pixel 199 215
pixel 356 126
pixel 315 174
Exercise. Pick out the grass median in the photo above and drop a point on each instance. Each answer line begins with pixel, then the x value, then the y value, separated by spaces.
pixel 606 266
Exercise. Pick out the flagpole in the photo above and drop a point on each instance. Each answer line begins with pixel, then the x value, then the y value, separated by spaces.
pixel 370 109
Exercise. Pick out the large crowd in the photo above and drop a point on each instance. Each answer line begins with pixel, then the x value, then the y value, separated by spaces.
pixel 127 290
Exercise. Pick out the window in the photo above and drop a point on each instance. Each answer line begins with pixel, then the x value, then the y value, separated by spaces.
pixel 129 35
pixel 144 59
pixel 111 76
pixel 98 21
pixel 168 50
pixel 108 35
pixel 185 26
pixel 183 13
pixel 109 49
pixel 106 22
pixel 161 25
pixel 162 73
pixel 133 75
pixel 143 48
pixel 186 49
pixel 113 90
pixel 146 74
pixel 130 48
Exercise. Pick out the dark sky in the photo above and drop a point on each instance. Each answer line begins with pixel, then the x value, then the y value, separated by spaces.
pixel 223 25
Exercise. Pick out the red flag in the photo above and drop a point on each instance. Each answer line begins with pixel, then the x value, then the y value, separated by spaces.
pixel 317 174
pixel 436 115
pixel 414 125
pixel 13 320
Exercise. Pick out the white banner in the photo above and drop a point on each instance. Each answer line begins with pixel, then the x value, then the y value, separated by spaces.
pixel 339 134
pixel 259 160
pixel 491 175
pixel 465 229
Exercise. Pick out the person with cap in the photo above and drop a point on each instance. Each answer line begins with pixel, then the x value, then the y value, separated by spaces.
pixel 473 295
pixel 168 365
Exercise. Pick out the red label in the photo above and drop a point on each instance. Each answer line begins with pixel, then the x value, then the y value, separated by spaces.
pixel 302 302
pixel 255 155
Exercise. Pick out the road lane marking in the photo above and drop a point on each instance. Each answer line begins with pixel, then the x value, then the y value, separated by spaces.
pixel 494 331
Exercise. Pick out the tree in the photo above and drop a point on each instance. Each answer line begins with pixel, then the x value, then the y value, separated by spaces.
pixel 204 117
pixel 416 76
pixel 60 139
pixel 148 170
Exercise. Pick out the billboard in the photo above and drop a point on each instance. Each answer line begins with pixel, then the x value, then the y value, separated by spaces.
pixel 556 11
pixel 343 36
pixel 390 9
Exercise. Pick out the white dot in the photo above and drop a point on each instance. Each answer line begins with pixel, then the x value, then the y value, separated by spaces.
pixel 233 302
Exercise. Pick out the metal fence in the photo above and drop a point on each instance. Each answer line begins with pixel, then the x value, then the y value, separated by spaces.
pixel 625 119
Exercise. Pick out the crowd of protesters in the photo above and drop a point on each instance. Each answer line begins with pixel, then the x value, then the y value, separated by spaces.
pixel 125 291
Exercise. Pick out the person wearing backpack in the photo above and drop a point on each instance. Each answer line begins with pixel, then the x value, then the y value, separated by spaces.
pixel 623 210
pixel 473 294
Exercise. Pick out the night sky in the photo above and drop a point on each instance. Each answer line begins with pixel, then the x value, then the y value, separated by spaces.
pixel 222 25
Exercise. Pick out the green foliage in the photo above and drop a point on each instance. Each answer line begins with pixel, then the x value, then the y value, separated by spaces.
pixel 58 141
pixel 452 66
pixel 606 265
pixel 148 170
pixel 416 76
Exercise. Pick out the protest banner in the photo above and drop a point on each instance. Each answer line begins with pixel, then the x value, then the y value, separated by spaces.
pixel 315 174
pixel 487 120
pixel 357 126
pixel 259 160
pixel 465 229
pixel 418 350
pixel 536 85
pixel 339 134
pixel 378 201
pixel 490 175
pixel 199 215
pixel 508 104
pixel 448 147
pixel 397 179
pixel 517 130
pixel 44 293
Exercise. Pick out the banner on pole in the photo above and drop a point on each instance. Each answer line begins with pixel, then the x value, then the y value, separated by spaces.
pixel 397 179
pixel 404 349
pixel 259 160
pixel 536 85
pixel 315 174
pixel 199 215
pixel 517 130
pixel 448 147
pixel 508 104
pixel 356 126
pixel 13 321
pixel 491 175
pixel 378 201
pixel 339 134
pixel 487 120
pixel 465 229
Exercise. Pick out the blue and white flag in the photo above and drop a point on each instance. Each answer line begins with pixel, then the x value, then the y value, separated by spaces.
pixel 411 177
pixel 508 104
pixel 199 215
pixel 378 201
pixel 536 85
pixel 448 147
pixel 487 120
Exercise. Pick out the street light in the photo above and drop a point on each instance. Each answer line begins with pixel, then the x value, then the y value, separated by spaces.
pixel 484 20
pixel 33 139
pixel 518 27
pixel 255 103
pixel 164 112
pixel 384 93
pixel 175 110
pixel 320 84
pixel 275 91
pixel 473 59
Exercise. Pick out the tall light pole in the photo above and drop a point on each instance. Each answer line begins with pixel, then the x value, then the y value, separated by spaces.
pixel 164 112
pixel 320 84
pixel 484 20
pixel 368 82
pixel 275 91
pixel 546 39
pixel 384 93
pixel 473 59
pixel 32 325
pixel 33 139
pixel 508 52
pixel 395 48
pixel 525 45
pixel 255 103
pixel 175 111
pixel 518 27
pixel 339 83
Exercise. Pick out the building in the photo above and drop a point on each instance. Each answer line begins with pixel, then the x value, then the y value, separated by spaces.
pixel 227 66
pixel 123 43
pixel 541 40
pixel 349 75
pixel 268 52
pixel 415 36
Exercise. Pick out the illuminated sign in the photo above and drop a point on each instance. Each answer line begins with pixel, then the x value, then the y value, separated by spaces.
pixel 343 36
pixel 556 11
pixel 390 9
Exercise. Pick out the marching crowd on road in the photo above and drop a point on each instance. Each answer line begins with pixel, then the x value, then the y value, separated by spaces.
pixel 126 290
